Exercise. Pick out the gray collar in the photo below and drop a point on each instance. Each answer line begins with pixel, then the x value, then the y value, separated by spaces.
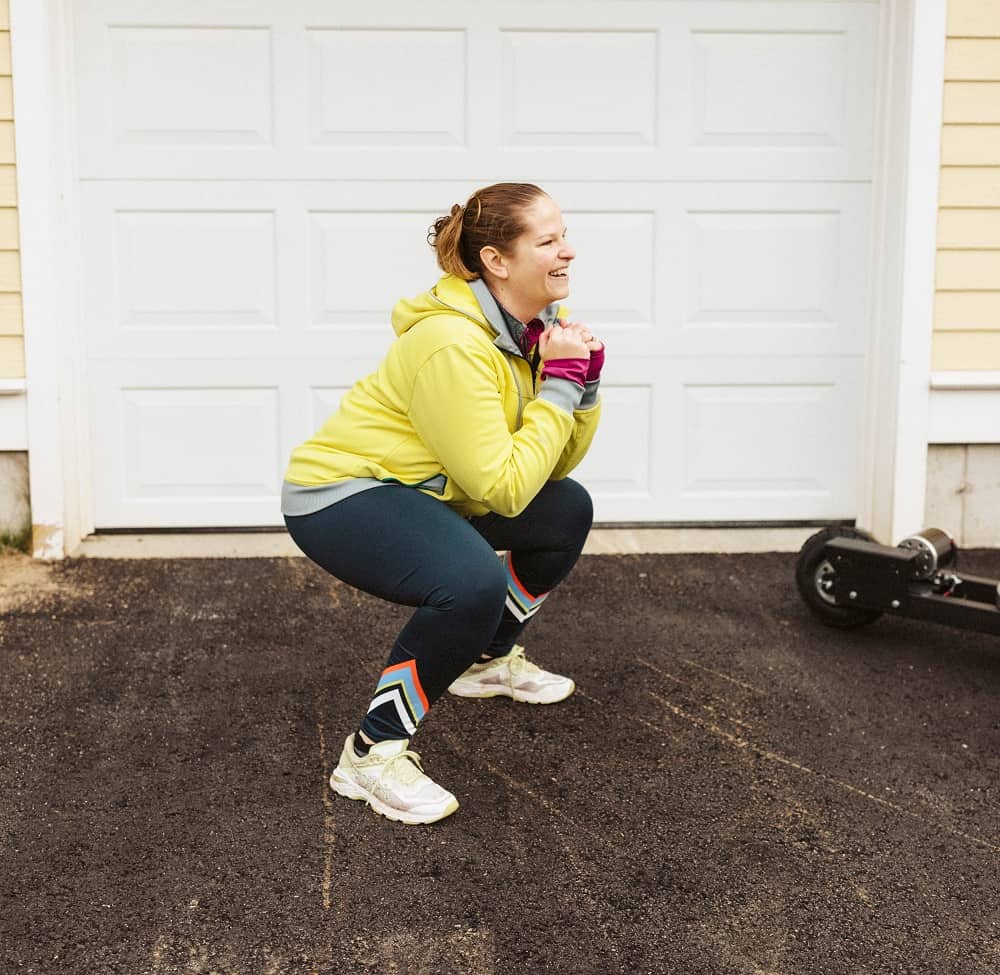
pixel 495 316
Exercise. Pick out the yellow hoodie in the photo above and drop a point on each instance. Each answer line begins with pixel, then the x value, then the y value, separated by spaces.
pixel 453 410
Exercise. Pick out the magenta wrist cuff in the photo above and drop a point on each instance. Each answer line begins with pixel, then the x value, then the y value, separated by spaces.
pixel 575 370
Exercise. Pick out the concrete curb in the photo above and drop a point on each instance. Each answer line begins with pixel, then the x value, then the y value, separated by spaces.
pixel 602 541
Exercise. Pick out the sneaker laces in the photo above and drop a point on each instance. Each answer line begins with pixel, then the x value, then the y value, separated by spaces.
pixel 519 663
pixel 410 770
pixel 519 666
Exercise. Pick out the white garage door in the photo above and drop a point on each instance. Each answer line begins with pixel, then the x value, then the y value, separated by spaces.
pixel 258 177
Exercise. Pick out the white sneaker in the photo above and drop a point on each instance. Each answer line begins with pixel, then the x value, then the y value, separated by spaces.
pixel 391 780
pixel 513 676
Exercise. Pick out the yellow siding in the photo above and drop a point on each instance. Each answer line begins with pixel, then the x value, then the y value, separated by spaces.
pixel 975 102
pixel 967 350
pixel 975 270
pixel 974 18
pixel 8 186
pixel 967 302
pixel 8 229
pixel 965 186
pixel 971 59
pixel 956 228
pixel 961 145
pixel 6 143
pixel 10 271
pixel 966 311
pixel 11 357
pixel 11 318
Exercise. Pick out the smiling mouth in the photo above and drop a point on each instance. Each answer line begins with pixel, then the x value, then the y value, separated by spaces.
pixel 558 274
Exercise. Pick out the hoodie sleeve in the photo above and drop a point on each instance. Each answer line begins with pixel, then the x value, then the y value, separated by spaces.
pixel 457 410
pixel 587 419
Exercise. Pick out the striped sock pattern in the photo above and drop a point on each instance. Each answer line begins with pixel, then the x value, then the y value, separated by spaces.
pixel 520 602
pixel 399 701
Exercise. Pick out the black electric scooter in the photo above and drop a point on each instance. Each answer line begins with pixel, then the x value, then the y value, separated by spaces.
pixel 847 578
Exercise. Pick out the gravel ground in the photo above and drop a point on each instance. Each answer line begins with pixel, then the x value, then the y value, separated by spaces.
pixel 733 790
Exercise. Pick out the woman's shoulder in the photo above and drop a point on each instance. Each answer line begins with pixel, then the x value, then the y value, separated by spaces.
pixel 446 329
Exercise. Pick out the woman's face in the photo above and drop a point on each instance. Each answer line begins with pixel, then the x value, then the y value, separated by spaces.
pixel 537 267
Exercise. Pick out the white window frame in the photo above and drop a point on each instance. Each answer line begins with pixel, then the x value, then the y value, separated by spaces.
pixel 893 476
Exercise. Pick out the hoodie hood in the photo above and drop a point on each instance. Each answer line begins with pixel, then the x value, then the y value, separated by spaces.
pixel 471 299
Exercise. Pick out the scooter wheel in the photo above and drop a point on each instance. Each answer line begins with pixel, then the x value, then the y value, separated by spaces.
pixel 814 577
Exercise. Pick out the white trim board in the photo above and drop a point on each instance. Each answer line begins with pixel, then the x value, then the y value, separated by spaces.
pixel 964 408
pixel 893 478
pixel 13 415
pixel 893 475
pixel 48 204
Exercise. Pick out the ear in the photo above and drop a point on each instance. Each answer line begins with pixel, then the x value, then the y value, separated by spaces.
pixel 494 262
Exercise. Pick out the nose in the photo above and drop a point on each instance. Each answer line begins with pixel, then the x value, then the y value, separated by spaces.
pixel 567 252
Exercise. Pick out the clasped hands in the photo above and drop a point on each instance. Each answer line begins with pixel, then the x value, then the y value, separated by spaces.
pixel 568 340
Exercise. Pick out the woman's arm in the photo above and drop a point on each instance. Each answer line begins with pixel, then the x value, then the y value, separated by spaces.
pixel 457 410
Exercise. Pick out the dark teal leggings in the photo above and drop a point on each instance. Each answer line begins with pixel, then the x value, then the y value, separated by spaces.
pixel 404 546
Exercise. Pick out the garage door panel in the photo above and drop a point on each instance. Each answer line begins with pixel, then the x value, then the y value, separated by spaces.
pixel 185 449
pixel 730 443
pixel 356 99
pixel 617 470
pixel 743 95
pixel 767 267
pixel 195 269
pixel 190 86
pixel 678 90
pixel 200 442
pixel 360 257
pixel 615 274
pixel 726 440
pixel 766 441
pixel 762 268
pixel 606 94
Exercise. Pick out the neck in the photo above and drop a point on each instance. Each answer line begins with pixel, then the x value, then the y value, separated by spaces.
pixel 524 313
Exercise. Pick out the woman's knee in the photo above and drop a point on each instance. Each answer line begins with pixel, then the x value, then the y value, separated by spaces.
pixel 475 588
pixel 573 504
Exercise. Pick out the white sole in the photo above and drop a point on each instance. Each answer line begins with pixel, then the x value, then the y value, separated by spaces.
pixel 522 697
pixel 351 790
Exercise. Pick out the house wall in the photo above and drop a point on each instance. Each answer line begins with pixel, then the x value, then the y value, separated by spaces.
pixel 11 324
pixel 963 480
pixel 15 517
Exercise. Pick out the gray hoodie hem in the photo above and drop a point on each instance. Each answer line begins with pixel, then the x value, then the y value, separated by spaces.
pixel 297 499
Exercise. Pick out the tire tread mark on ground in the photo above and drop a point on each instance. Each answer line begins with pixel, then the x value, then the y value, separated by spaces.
pixel 329 837
pixel 714 697
pixel 718 673
pixel 556 813
pixel 772 756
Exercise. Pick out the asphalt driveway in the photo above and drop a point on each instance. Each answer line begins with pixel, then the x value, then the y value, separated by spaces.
pixel 733 790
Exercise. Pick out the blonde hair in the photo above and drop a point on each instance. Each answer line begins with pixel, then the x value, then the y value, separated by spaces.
pixel 492 217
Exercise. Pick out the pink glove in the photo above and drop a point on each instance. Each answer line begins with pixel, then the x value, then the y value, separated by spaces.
pixel 575 370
